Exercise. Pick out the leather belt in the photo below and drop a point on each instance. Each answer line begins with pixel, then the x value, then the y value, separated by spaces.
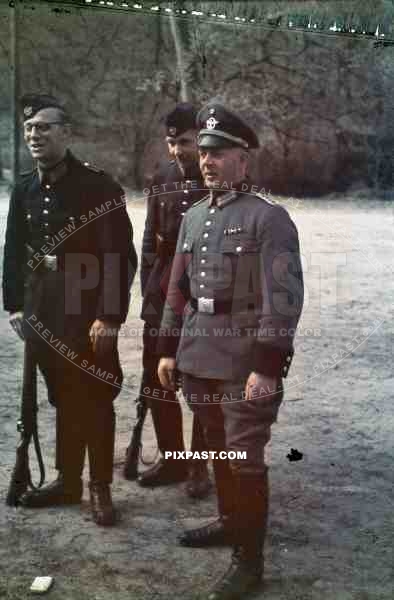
pixel 46 262
pixel 215 307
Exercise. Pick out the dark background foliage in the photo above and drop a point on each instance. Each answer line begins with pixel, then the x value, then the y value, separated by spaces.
pixel 323 105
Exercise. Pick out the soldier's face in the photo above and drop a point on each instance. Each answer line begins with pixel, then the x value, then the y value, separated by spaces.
pixel 184 149
pixel 222 166
pixel 46 136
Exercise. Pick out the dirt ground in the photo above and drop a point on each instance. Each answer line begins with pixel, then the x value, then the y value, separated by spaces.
pixel 331 522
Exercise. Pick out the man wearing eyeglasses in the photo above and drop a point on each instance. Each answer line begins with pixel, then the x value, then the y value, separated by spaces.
pixel 69 260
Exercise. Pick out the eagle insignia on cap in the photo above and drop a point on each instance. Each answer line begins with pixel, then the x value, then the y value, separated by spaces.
pixel 172 131
pixel 211 111
pixel 28 111
pixel 211 123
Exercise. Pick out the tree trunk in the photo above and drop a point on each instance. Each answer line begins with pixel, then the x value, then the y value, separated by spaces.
pixel 180 59
pixel 14 73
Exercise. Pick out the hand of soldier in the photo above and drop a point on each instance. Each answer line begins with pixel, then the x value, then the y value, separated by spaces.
pixel 260 386
pixel 167 373
pixel 16 320
pixel 103 336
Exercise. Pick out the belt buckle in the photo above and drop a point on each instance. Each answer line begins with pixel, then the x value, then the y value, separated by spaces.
pixel 50 262
pixel 206 305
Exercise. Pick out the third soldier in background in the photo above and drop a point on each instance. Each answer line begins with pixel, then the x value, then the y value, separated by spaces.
pixel 175 187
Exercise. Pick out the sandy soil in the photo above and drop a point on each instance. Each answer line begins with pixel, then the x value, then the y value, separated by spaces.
pixel 331 523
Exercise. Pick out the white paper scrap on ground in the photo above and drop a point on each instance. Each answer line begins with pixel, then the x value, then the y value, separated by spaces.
pixel 41 585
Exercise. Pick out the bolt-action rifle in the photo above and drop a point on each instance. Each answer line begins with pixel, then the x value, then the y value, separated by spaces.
pixel 21 478
pixel 134 449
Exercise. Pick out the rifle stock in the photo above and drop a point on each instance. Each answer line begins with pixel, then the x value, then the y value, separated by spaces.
pixel 21 473
pixel 130 470
pixel 27 427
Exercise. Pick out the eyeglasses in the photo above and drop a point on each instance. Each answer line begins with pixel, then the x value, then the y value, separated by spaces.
pixel 41 127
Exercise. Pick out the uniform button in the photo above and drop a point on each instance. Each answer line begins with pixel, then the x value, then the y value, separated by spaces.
pixel 46 237
pixel 203 273
pixel 185 245
pixel 238 248
pixel 205 235
pixel 183 214
pixel 203 248
pixel 71 218
pixel 161 203
pixel 185 202
pixel 208 223
pixel 202 286
pixel 28 216
pixel 46 224
pixel 212 210
pixel 45 211
pixel 48 187
pixel 203 261
pixel 47 199
pixel 185 191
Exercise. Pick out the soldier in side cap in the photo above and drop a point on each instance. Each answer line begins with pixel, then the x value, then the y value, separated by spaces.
pixel 175 188
pixel 237 276
pixel 66 281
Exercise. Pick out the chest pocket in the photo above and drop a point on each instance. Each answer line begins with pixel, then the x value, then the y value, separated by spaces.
pixel 240 245
pixel 241 254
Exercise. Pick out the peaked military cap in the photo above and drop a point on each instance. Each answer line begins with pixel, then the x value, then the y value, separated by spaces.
pixel 181 119
pixel 220 128
pixel 32 103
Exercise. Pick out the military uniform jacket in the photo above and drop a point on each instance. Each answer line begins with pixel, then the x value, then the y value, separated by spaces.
pixel 80 219
pixel 171 195
pixel 241 251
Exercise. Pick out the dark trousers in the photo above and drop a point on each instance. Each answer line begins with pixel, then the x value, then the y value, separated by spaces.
pixel 165 408
pixel 84 402
pixel 231 423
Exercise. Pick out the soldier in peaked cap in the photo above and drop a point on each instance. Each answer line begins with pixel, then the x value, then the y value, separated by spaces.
pixel 66 287
pixel 175 188
pixel 237 276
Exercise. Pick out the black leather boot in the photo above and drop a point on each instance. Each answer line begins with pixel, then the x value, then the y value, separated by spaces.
pixel 101 504
pixel 243 577
pixel 164 472
pixel 54 494
pixel 245 573
pixel 221 531
pixel 198 484
pixel 215 533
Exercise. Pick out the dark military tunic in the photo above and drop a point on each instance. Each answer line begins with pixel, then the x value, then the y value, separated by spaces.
pixel 171 194
pixel 236 295
pixel 69 259
pixel 81 220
